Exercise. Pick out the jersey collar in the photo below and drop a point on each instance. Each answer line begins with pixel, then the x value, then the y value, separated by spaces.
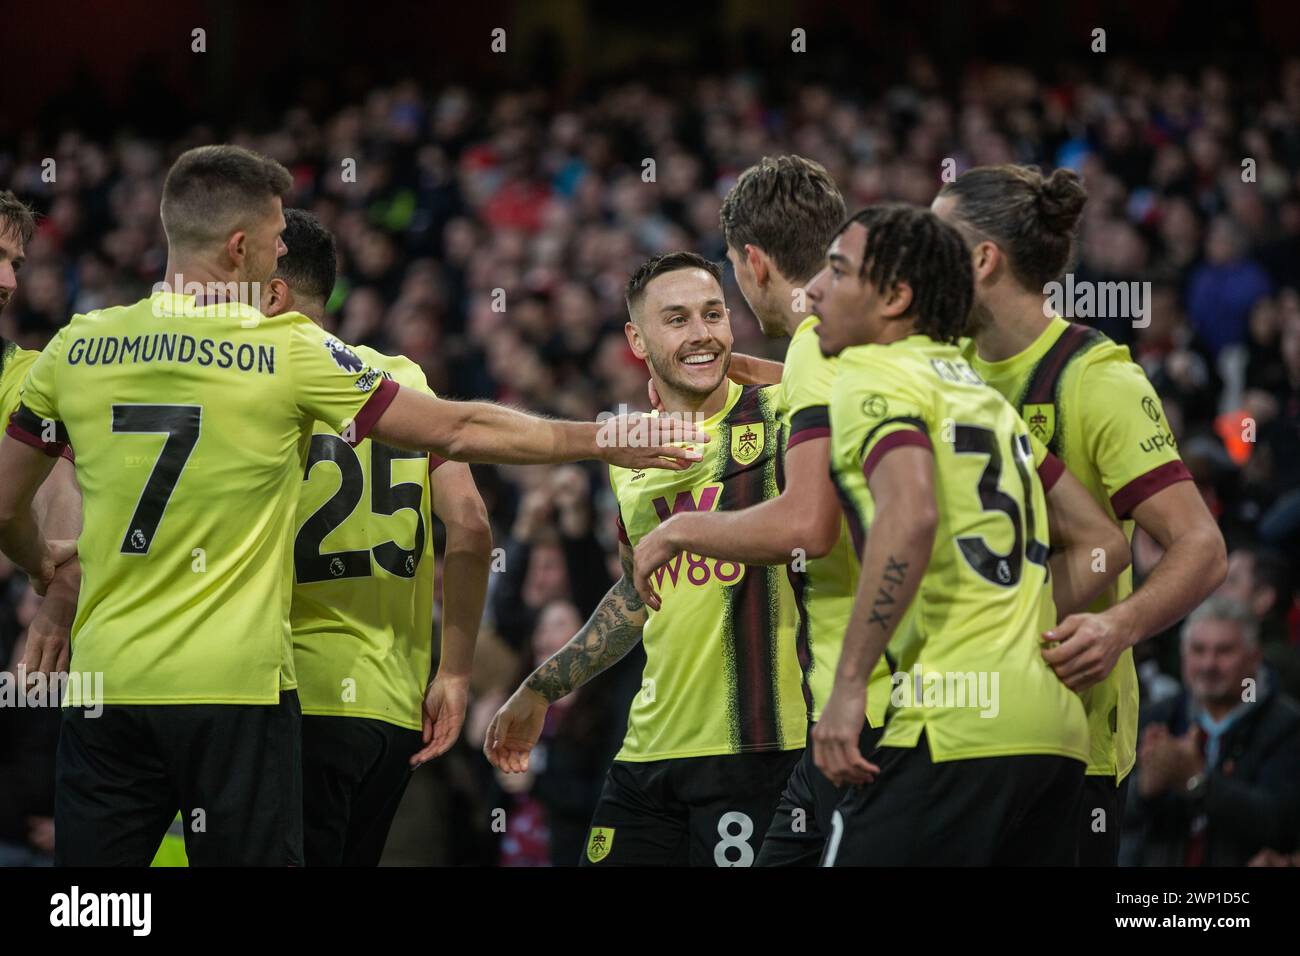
pixel 1030 355
pixel 182 303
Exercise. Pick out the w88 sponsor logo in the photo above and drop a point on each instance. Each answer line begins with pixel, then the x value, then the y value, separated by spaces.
pixel 693 569
pixel 686 566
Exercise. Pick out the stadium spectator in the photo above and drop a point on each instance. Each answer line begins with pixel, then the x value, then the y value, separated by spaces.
pixel 1225 287
pixel 1261 579
pixel 1218 772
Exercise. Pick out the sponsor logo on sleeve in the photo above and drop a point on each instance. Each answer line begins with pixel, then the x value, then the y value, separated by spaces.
pixel 368 381
pixel 1161 439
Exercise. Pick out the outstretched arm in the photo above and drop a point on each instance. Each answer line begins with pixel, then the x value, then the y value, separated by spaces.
pixel 603 641
pixel 495 434
pixel 803 519
pixel 752 370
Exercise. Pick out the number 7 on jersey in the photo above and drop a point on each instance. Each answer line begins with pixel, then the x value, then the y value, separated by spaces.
pixel 181 424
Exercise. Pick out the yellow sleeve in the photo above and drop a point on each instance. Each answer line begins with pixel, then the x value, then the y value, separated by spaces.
pixel 334 385
pixel 14 365
pixel 406 374
pixel 876 409
pixel 806 382
pixel 1127 435
pixel 397 367
pixel 1048 465
pixel 37 390
pixel 34 418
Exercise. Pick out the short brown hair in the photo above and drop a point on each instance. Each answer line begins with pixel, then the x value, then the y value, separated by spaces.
pixel 1033 218
pixel 790 208
pixel 16 217
pixel 656 266
pixel 212 190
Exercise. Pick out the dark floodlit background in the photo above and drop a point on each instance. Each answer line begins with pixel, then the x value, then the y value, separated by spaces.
pixel 522 171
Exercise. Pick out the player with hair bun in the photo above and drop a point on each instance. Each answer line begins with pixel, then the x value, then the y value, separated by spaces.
pixel 1091 404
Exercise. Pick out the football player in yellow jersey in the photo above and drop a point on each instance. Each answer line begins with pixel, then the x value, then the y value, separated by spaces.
pixel 720 719
pixel 58 503
pixel 363 597
pixel 1091 404
pixel 982 757
pixel 777 221
pixel 189 412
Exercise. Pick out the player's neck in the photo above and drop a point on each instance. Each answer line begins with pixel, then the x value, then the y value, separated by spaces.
pixel 682 403
pixel 184 272
pixel 1016 325
pixel 793 320
pixel 785 293
pixel 895 331
pixel 314 309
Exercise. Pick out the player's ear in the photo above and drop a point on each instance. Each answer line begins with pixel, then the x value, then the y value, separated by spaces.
pixel 634 340
pixel 276 297
pixel 898 301
pixel 236 247
pixel 756 258
pixel 986 258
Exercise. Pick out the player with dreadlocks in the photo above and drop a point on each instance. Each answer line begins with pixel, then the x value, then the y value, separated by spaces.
pixel 984 748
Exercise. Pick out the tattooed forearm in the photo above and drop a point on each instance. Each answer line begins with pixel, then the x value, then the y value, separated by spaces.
pixel 613 630
pixel 882 608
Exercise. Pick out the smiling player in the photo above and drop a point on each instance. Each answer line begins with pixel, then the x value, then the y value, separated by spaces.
pixel 719 722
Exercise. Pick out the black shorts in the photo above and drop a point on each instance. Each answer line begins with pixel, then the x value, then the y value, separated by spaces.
pixel 233 769
pixel 692 811
pixel 990 811
pixel 1101 820
pixel 802 822
pixel 354 772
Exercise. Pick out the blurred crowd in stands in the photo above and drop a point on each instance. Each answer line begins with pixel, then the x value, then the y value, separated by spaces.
pixel 488 238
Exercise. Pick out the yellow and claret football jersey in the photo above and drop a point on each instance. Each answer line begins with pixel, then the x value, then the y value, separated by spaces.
pixel 721 673
pixel 825 588
pixel 14 363
pixel 187 423
pixel 1091 404
pixel 966 657
pixel 363 572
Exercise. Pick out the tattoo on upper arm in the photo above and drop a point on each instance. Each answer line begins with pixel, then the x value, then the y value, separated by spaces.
pixel 613 630
pixel 882 608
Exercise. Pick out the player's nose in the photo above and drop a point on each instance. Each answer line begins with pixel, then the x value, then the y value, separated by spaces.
pixel 813 291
